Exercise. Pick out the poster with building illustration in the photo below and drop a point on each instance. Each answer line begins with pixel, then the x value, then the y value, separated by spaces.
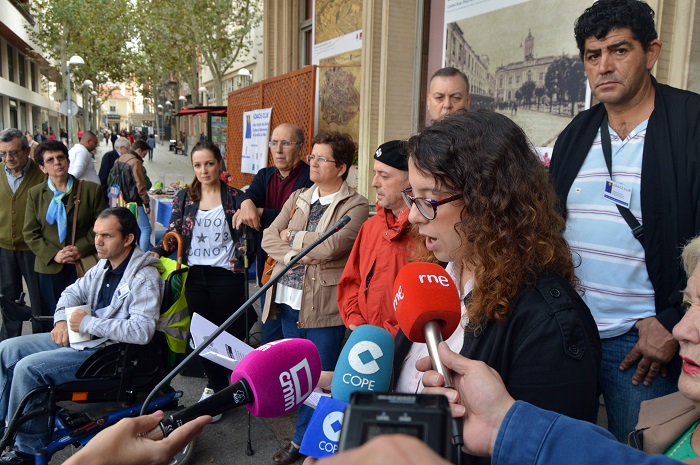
pixel 519 61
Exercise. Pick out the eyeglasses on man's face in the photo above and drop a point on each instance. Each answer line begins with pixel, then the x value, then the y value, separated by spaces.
pixel 285 144
pixel 318 158
pixel 426 207
pixel 11 154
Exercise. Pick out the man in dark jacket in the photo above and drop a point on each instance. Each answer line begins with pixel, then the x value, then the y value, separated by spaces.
pixel 271 187
pixel 626 171
pixel 121 147
pixel 19 173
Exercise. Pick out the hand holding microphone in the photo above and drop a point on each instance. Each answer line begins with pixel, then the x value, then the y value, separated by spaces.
pixel 270 381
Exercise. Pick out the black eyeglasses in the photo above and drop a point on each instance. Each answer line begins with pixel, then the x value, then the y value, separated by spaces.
pixel 426 207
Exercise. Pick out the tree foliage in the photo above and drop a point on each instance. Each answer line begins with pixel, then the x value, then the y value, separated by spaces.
pixel 526 91
pixel 96 30
pixel 566 78
pixel 181 36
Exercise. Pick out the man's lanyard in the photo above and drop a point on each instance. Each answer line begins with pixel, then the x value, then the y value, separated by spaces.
pixel 606 145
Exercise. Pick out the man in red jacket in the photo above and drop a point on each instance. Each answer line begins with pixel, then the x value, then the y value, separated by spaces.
pixel 381 248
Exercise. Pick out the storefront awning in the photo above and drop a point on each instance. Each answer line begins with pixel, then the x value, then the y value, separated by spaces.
pixel 192 111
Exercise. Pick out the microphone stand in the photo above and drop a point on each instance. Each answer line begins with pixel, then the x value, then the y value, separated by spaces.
pixel 169 377
pixel 246 267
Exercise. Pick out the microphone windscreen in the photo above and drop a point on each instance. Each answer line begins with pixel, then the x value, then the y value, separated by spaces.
pixel 365 363
pixel 322 434
pixel 281 375
pixel 424 292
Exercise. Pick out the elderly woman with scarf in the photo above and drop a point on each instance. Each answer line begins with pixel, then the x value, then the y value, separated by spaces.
pixel 48 224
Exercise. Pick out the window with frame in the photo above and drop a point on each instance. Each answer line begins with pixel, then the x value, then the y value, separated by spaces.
pixel 10 63
pixel 21 66
pixel 306 39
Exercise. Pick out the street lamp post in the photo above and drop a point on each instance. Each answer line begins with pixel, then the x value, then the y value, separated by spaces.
pixel 182 99
pixel 93 111
pixel 74 60
pixel 87 84
pixel 160 124
pixel 168 107
pixel 98 108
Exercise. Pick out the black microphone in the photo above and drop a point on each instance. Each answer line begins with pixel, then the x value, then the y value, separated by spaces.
pixel 337 226
pixel 271 381
pixel 230 397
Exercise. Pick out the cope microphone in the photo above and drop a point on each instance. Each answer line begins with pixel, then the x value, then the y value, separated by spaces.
pixel 334 228
pixel 427 308
pixel 270 381
pixel 365 365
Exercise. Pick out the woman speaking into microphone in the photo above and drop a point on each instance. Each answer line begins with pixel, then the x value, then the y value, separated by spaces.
pixel 483 204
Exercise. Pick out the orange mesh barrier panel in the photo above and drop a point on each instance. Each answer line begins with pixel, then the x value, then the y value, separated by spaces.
pixel 291 97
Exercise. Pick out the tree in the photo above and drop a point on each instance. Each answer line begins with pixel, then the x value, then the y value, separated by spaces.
pixel 210 32
pixel 526 91
pixel 565 77
pixel 539 93
pixel 87 28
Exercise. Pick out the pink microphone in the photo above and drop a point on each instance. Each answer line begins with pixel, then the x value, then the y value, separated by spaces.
pixel 270 381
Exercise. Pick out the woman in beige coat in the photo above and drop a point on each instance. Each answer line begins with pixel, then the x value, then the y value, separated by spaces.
pixel 304 299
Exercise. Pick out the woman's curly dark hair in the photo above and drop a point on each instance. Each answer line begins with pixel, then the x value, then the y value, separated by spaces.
pixel 509 217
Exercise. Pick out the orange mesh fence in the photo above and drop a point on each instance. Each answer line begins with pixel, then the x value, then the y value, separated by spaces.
pixel 291 97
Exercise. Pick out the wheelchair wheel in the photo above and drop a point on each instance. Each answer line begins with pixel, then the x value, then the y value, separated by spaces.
pixel 184 455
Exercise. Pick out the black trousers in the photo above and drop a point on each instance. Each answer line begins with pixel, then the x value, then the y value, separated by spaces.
pixel 52 286
pixel 215 293
pixel 13 266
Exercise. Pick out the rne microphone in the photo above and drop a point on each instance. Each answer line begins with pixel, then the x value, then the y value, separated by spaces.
pixel 365 363
pixel 270 381
pixel 427 308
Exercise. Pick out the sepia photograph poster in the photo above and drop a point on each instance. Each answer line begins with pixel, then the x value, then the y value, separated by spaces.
pixel 337 52
pixel 520 61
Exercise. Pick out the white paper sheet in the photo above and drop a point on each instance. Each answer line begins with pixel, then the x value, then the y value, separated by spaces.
pixel 225 350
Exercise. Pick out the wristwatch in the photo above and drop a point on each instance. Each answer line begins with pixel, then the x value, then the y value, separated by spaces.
pixel 288 235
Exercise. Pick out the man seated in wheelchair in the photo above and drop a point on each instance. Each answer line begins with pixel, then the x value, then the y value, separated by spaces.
pixel 124 290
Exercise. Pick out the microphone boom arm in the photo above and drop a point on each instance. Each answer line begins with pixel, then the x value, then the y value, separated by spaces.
pixel 337 226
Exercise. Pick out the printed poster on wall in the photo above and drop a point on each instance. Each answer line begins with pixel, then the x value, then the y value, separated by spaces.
pixel 337 28
pixel 256 134
pixel 532 73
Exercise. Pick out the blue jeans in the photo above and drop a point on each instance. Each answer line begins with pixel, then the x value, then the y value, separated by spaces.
pixel 29 362
pixel 622 398
pixel 328 341
pixel 145 227
pixel 271 330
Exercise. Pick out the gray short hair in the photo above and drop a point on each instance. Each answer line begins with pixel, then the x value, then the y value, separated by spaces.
pixel 691 255
pixel 6 135
pixel 121 142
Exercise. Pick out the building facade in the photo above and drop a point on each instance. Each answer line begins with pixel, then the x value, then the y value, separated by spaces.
pixel 26 96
